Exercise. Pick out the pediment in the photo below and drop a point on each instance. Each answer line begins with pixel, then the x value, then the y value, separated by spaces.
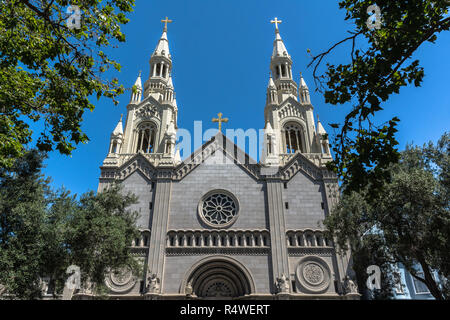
pixel 299 163
pixel 137 163
pixel 219 150
pixel 291 109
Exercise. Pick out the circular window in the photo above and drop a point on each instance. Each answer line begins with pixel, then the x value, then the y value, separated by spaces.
pixel 219 209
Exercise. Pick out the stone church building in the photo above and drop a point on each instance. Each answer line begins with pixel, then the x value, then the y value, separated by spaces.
pixel 233 229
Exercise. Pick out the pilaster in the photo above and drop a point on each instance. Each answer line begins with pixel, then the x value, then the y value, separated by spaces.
pixel 159 226
pixel 280 264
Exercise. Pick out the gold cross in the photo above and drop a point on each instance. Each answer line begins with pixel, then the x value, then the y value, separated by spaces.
pixel 166 21
pixel 220 120
pixel 276 21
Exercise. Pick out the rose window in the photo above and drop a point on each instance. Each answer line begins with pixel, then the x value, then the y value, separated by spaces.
pixel 218 209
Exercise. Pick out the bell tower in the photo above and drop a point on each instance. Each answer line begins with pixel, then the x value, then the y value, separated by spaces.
pixel 151 122
pixel 289 114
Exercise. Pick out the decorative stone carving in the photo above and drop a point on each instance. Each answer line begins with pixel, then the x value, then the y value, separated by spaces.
pixel 121 280
pixel 147 112
pixel 290 110
pixel 153 285
pixel 313 275
pixel 350 286
pixel 218 289
pixel 189 290
pixel 283 284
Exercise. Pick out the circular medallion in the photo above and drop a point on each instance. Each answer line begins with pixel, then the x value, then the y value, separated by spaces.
pixel 120 280
pixel 313 275
pixel 121 277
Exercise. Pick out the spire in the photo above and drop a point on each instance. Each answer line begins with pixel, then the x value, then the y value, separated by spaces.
pixel 271 84
pixel 320 128
pixel 303 83
pixel 272 96
pixel 119 128
pixel 160 67
pixel 162 49
pixel 136 96
pixel 303 91
pixel 279 49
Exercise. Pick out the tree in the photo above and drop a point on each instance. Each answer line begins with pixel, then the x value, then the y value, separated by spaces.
pixel 43 232
pixel 407 222
pixel 50 66
pixel 381 53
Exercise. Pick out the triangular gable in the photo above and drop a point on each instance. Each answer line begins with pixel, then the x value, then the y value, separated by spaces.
pixel 137 163
pixel 231 152
pixel 300 163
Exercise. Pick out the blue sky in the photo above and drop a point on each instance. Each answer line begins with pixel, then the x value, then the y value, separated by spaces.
pixel 221 53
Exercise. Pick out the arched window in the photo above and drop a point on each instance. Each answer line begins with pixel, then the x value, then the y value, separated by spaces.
pixel 158 70
pixel 293 138
pixel 114 147
pixel 146 138
pixel 283 71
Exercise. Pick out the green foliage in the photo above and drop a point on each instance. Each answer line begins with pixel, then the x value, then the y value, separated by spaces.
pixel 47 71
pixel 407 221
pixel 381 64
pixel 42 232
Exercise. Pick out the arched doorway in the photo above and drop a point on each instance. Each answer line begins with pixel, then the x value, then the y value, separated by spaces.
pixel 219 278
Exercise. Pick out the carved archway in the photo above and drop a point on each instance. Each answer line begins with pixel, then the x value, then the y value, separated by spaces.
pixel 218 278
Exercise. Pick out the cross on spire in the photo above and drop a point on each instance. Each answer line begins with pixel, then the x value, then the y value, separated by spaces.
pixel 166 21
pixel 220 120
pixel 276 22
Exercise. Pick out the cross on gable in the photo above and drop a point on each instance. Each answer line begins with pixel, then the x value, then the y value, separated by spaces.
pixel 220 120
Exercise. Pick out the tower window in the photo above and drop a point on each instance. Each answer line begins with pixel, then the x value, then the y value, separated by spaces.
pixel 146 138
pixel 283 70
pixel 293 135
pixel 277 72
pixel 114 147
pixel 286 204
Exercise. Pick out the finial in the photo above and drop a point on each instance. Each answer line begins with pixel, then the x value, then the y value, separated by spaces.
pixel 276 22
pixel 166 21
pixel 121 116
pixel 140 72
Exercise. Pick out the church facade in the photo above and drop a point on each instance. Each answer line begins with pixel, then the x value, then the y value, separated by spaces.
pixel 219 224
